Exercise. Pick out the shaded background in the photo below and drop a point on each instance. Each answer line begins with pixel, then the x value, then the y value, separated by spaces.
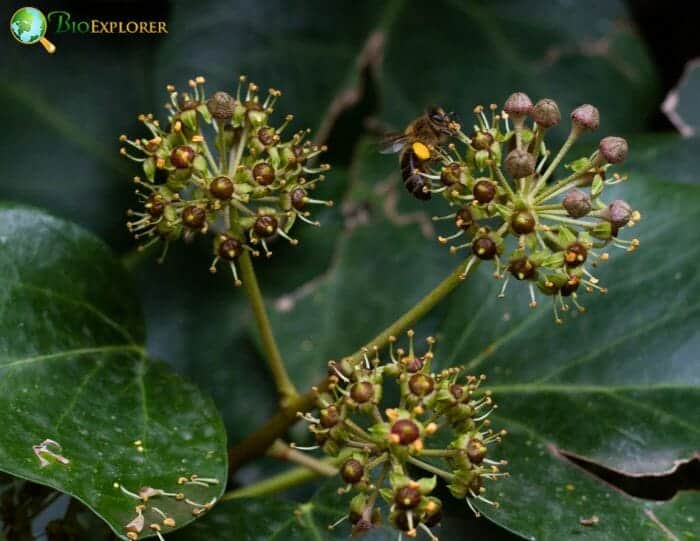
pixel 348 70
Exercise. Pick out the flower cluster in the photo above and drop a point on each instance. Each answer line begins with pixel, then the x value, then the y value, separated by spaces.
pixel 498 184
pixel 439 426
pixel 253 186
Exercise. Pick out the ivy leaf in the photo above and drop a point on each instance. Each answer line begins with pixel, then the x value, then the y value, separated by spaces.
pixel 87 411
pixel 480 53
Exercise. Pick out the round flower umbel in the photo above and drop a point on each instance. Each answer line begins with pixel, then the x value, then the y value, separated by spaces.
pixel 498 184
pixel 245 187
pixel 439 426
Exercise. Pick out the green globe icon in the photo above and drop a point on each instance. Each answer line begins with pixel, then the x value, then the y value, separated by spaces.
pixel 28 26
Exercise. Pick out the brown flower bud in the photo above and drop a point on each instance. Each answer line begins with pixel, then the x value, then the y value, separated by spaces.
pixel 193 217
pixel 619 213
pixel 264 174
pixel 484 248
pixel 577 203
pixel 406 430
pixel 221 188
pixel 352 471
pixel 155 206
pixel 546 113
pixel 523 222
pixel 265 226
pixel 450 174
pixel 421 384
pixel 362 391
pixel 230 249
pixel 407 497
pixel 464 218
pixel 519 163
pixel 575 254
pixel 481 140
pixel 613 149
pixel 522 269
pixel 518 105
pixel 298 197
pixel 182 157
pixel 221 105
pixel 484 191
pixel 586 117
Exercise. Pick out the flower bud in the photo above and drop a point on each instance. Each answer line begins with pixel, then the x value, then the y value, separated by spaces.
pixel 421 384
pixel 484 191
pixel 619 213
pixel 265 226
pixel 613 149
pixel 193 217
pixel 229 248
pixel 518 105
pixel 221 188
pixel 221 105
pixel 182 156
pixel 523 222
pixel 362 391
pixel 519 163
pixel 352 471
pixel 575 255
pixel 464 218
pixel 586 117
pixel 484 248
pixel 522 269
pixel 476 451
pixel 155 206
pixel 546 113
pixel 407 497
pixel 570 286
pixel 266 136
pixel 406 430
pixel 481 140
pixel 264 174
pixel 329 417
pixel 298 198
pixel 450 174
pixel 415 364
pixel 577 203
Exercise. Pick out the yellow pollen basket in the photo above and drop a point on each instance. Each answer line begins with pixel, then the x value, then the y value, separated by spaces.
pixel 421 151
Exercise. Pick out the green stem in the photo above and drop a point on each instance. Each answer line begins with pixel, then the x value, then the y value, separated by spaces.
pixel 284 385
pixel 282 451
pixel 573 135
pixel 273 485
pixel 256 443
pixel 447 476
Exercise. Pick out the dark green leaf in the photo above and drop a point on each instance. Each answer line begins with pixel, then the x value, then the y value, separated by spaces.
pixel 480 53
pixel 73 369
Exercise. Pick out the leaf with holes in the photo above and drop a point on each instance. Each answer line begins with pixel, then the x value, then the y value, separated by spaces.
pixel 88 413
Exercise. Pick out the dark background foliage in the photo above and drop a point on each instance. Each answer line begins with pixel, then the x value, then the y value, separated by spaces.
pixel 351 69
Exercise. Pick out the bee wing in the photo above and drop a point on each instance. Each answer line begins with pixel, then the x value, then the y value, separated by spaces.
pixel 393 143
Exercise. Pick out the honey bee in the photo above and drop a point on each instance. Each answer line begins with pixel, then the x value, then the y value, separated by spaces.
pixel 417 144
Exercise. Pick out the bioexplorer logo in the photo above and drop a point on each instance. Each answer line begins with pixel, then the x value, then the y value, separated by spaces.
pixel 28 25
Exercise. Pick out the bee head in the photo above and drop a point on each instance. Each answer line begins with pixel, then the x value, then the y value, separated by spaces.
pixel 440 120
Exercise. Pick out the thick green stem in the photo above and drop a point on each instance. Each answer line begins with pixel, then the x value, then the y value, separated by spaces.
pixel 284 385
pixel 259 441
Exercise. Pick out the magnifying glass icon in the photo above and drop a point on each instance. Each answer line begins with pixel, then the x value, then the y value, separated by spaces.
pixel 28 26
